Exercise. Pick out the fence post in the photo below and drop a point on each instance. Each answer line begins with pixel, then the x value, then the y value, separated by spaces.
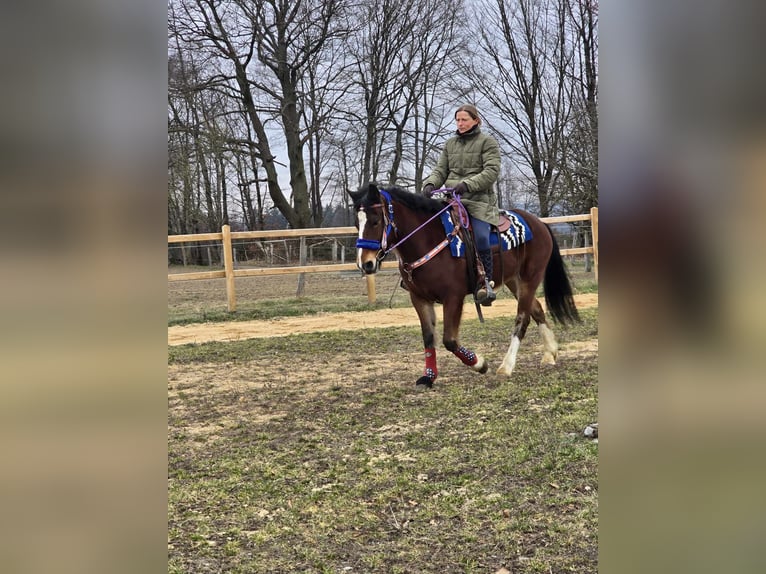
pixel 228 267
pixel 594 228
pixel 301 276
pixel 370 289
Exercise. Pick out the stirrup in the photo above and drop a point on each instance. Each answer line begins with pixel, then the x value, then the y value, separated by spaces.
pixel 485 295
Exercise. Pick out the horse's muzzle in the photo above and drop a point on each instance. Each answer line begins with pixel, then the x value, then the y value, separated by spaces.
pixel 370 267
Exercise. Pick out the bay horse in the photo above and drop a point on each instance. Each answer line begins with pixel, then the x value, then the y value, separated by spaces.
pixel 396 220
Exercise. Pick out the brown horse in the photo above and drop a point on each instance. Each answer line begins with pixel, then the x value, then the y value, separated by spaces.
pixel 409 224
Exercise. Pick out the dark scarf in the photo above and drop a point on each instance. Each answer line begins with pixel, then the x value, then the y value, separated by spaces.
pixel 470 133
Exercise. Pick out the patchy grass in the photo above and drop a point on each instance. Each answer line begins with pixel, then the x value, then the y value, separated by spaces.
pixel 314 453
pixel 260 298
pixel 582 281
pixel 273 308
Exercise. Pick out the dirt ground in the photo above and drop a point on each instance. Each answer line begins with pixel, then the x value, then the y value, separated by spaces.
pixel 239 330
pixel 298 456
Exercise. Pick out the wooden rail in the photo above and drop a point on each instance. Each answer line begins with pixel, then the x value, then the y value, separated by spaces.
pixel 229 273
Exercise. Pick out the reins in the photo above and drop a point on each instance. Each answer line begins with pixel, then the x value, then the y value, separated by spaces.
pixel 463 222
pixel 388 216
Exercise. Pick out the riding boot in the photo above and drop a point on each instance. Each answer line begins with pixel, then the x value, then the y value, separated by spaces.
pixel 485 295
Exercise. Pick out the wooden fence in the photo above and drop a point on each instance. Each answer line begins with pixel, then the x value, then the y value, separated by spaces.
pixel 226 236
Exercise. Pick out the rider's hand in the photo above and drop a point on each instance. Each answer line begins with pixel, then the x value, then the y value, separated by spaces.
pixel 427 189
pixel 461 188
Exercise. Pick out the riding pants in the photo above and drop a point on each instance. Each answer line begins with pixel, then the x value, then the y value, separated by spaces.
pixel 481 230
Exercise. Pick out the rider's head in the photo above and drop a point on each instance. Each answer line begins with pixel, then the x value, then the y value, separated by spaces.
pixel 467 116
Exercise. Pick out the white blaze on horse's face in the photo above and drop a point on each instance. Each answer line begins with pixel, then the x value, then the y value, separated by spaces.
pixel 362 222
pixel 366 259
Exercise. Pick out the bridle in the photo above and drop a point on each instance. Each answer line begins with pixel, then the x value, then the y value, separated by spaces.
pixel 388 220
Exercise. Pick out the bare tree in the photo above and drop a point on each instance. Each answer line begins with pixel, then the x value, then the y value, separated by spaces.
pixel 337 92
pixel 581 151
pixel 264 47
pixel 324 86
pixel 441 52
pixel 291 37
pixel 196 135
pixel 400 56
pixel 183 213
pixel 529 86
pixel 427 63
pixel 375 47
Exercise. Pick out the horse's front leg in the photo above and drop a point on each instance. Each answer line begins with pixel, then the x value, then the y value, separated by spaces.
pixel 427 316
pixel 453 311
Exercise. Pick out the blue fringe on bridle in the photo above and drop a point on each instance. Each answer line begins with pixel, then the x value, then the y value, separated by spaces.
pixel 367 244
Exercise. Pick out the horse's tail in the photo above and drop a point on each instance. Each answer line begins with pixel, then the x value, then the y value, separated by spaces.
pixel 557 288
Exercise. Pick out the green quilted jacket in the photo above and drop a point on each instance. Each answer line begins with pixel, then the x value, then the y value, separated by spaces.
pixel 474 158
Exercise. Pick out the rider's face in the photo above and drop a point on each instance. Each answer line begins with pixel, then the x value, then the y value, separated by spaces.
pixel 464 122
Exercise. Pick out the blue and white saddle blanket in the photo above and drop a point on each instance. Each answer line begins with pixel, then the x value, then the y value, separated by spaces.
pixel 518 233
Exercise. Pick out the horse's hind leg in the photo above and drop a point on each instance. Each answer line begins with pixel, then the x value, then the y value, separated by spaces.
pixel 526 297
pixel 453 311
pixel 550 346
pixel 427 316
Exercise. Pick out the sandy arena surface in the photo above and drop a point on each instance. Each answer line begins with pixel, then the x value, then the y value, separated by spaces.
pixel 239 330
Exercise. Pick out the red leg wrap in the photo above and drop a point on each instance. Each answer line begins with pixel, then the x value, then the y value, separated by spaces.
pixel 468 357
pixel 430 370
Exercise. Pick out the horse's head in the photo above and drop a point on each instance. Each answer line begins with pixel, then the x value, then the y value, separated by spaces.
pixel 374 219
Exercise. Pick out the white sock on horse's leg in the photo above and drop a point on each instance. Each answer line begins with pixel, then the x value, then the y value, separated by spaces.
pixel 551 352
pixel 509 361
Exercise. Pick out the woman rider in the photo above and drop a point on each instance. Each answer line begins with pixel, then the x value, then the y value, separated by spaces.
pixel 470 163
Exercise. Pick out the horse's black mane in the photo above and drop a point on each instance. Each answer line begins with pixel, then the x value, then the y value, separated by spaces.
pixel 414 201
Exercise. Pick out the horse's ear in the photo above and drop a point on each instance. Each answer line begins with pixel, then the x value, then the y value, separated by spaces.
pixel 370 189
pixel 373 192
pixel 356 196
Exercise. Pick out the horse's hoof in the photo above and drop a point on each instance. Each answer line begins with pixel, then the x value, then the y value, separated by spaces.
pixel 484 367
pixel 548 359
pixel 423 383
pixel 503 370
